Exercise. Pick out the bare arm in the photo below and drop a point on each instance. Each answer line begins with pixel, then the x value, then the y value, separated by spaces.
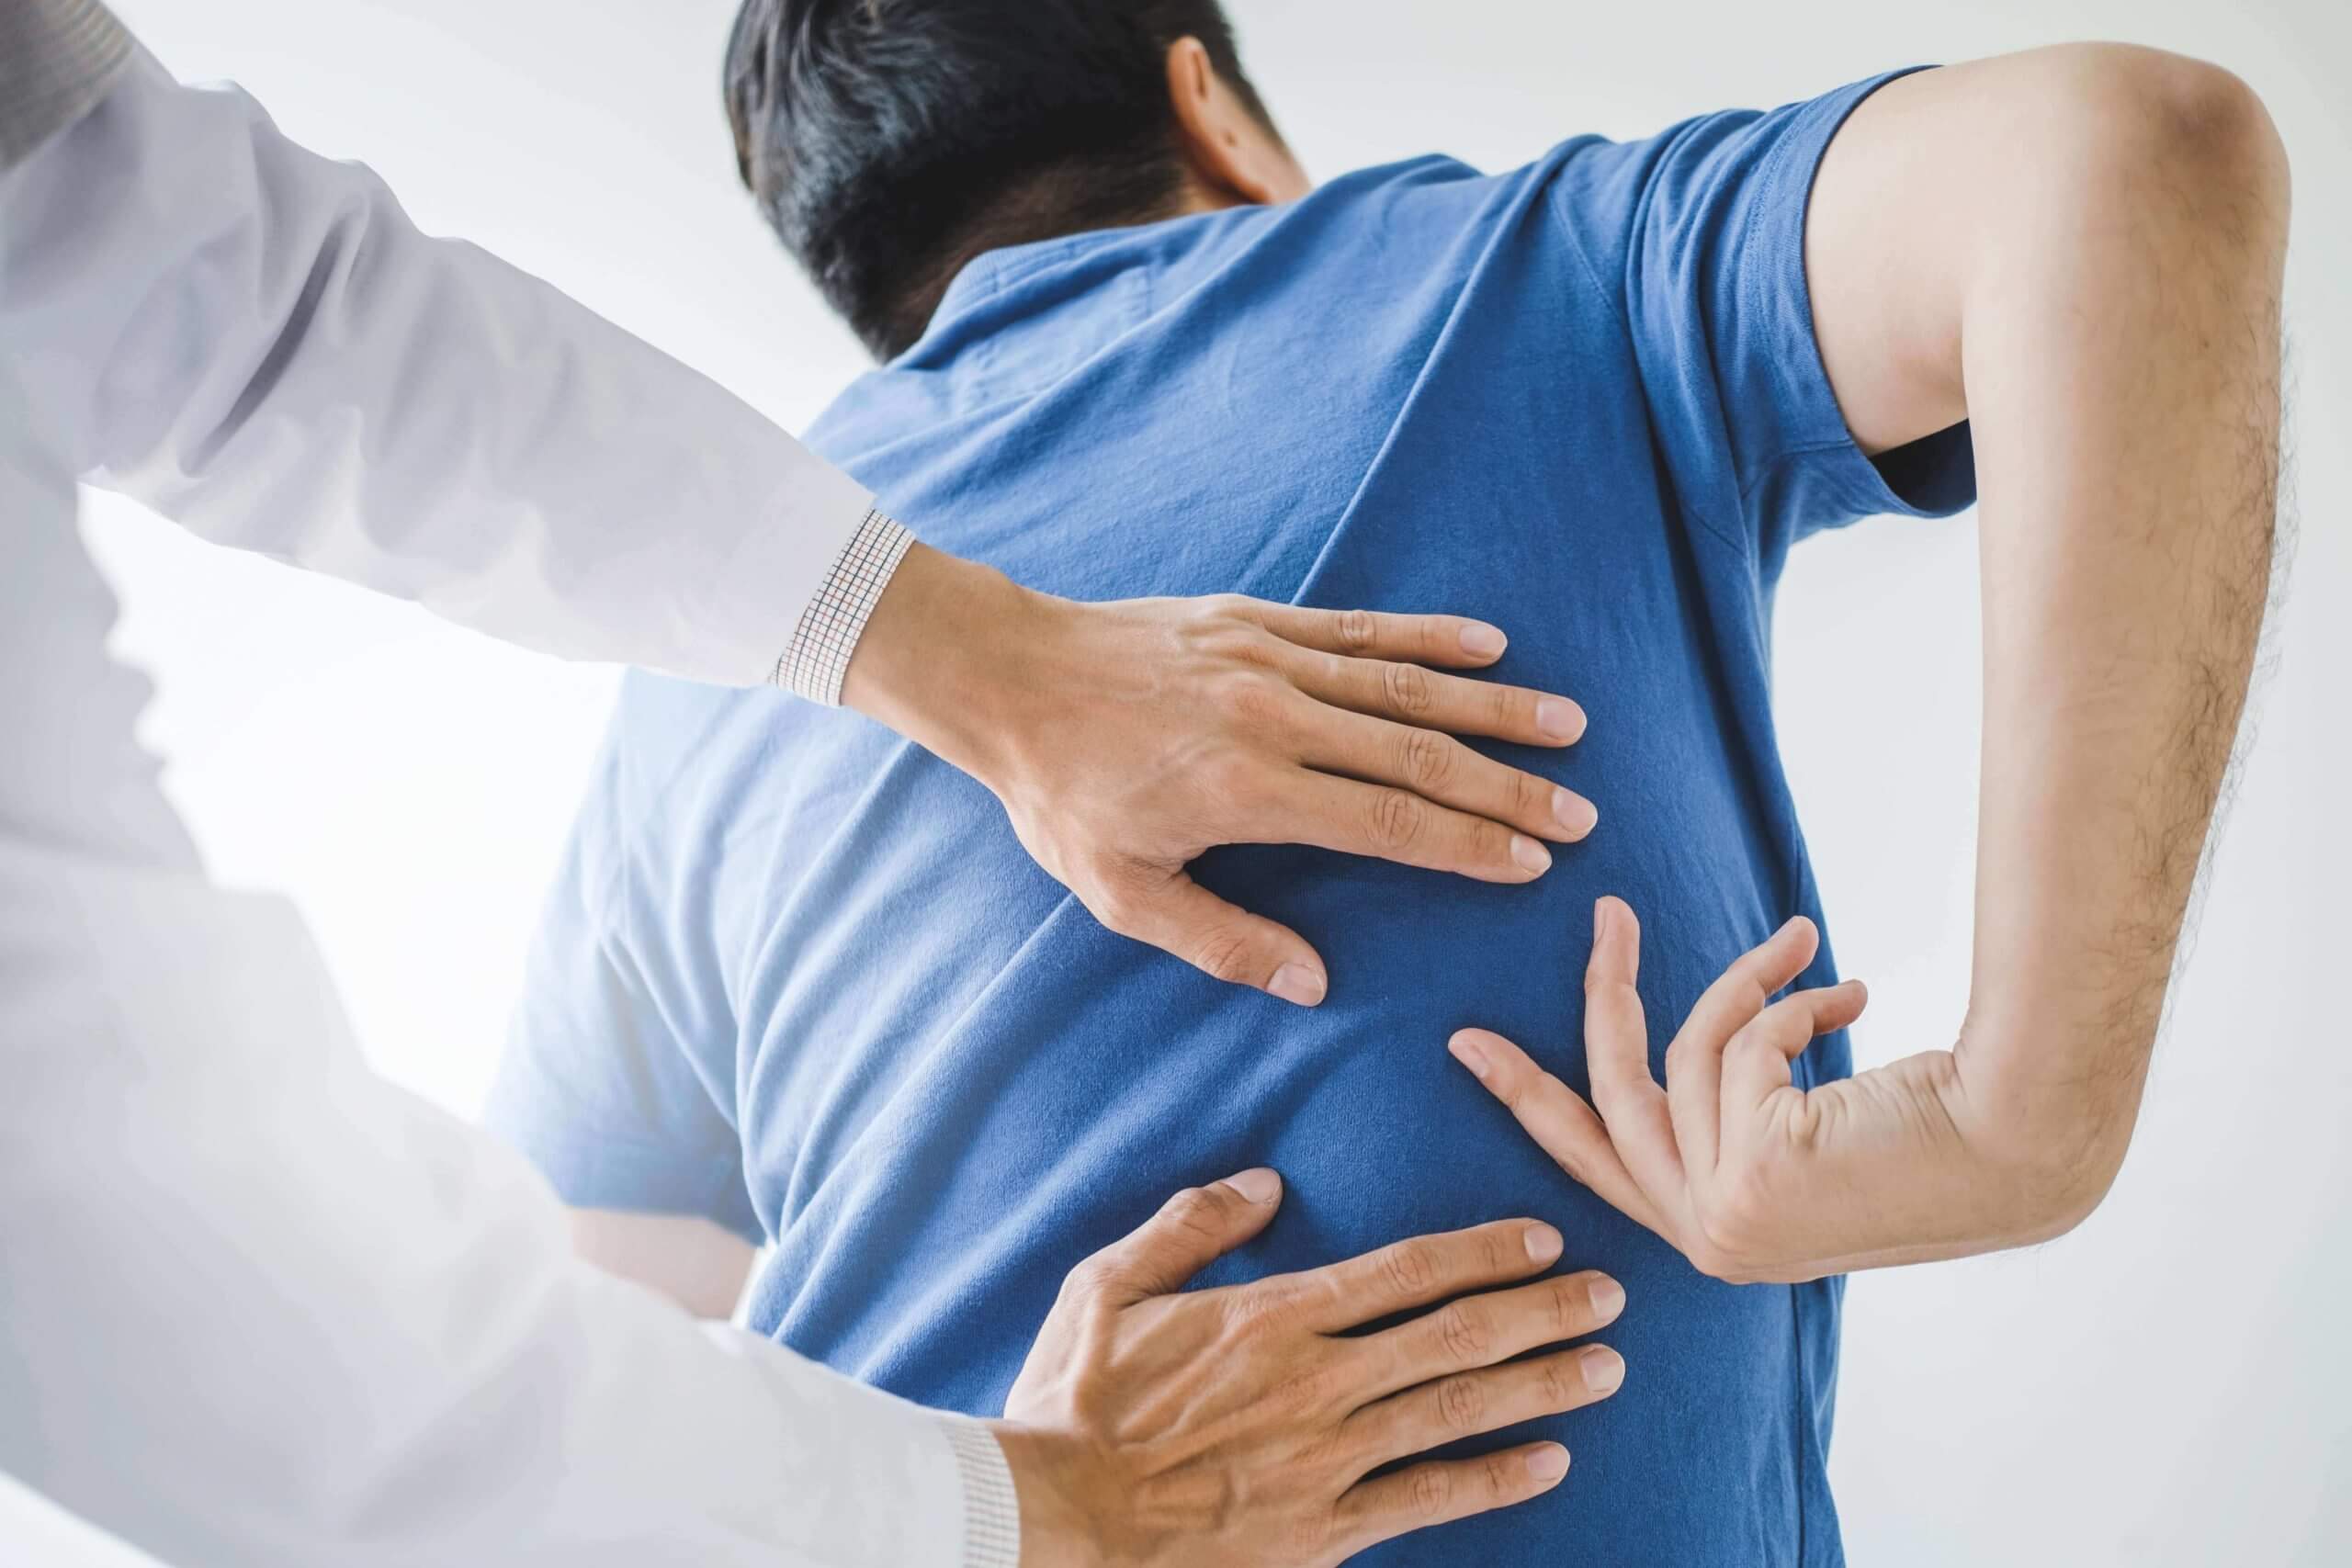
pixel 2078 250
pixel 2104 296
pixel 688 1259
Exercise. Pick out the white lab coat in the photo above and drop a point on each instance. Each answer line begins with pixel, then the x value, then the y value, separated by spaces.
pixel 256 1305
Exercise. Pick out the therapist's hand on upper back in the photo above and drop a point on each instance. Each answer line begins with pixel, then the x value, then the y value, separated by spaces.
pixel 1156 1426
pixel 1127 739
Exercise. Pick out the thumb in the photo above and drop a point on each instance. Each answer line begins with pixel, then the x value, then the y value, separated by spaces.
pixel 1193 1230
pixel 1223 941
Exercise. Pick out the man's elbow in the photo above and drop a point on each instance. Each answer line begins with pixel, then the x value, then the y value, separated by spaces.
pixel 2190 141
pixel 2057 1172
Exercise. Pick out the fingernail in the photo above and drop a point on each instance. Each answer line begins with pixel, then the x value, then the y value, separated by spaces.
pixel 1258 1185
pixel 1469 1055
pixel 1532 857
pixel 1548 1463
pixel 1603 1369
pixel 1480 640
pixel 1542 1242
pixel 1599 919
pixel 1297 983
pixel 1607 1298
pixel 1560 719
pixel 1574 812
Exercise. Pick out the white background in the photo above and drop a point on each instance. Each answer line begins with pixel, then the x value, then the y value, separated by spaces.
pixel 2163 1387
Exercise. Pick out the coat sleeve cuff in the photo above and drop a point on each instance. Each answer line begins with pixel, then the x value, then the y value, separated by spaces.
pixel 58 59
pixel 817 658
pixel 991 1507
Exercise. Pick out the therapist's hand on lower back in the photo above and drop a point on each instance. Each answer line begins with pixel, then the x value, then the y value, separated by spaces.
pixel 1238 1426
pixel 1127 739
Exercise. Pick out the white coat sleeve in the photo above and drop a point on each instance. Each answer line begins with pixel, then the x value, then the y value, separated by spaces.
pixel 257 342
pixel 257 1306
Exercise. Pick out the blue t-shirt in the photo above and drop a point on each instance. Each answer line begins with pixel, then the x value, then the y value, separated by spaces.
pixel 799 979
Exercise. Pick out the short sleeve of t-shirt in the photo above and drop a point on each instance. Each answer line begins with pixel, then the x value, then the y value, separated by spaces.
pixel 597 1086
pixel 1699 233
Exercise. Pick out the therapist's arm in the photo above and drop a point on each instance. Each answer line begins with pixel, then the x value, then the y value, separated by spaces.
pixel 257 342
pixel 262 1308
pixel 2080 251
pixel 684 1257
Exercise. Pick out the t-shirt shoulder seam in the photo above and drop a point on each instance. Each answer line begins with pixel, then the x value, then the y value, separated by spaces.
pixel 1616 307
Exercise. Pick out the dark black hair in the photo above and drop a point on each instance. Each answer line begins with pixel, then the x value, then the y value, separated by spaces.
pixel 890 142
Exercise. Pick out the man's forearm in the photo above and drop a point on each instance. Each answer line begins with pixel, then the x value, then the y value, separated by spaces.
pixel 2078 250
pixel 2121 344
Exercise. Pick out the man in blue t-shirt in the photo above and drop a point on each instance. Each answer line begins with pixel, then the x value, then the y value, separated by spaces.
pixel 800 986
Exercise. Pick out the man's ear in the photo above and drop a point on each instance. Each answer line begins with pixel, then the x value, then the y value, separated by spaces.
pixel 1234 157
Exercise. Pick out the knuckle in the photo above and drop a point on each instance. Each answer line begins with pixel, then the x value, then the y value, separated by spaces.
pixel 1408 689
pixel 1427 760
pixel 1496 1471
pixel 1678 1055
pixel 1355 630
pixel 1223 622
pixel 1411 1268
pixel 1310 1535
pixel 1571 1303
pixel 1254 700
pixel 1560 1389
pixel 1113 894
pixel 1500 1252
pixel 1465 1334
pixel 1194 1212
pixel 1489 844
pixel 1231 780
pixel 1712 1259
pixel 1428 1493
pixel 1507 710
pixel 1461 1405
pixel 1530 798
pixel 1090 1278
pixel 1395 819
pixel 1115 907
pixel 1261 1309
pixel 1224 955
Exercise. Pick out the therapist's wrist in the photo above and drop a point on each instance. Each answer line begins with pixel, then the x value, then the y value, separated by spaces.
pixel 1060 1523
pixel 939 652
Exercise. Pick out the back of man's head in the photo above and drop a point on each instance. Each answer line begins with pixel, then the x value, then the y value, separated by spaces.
pixel 890 142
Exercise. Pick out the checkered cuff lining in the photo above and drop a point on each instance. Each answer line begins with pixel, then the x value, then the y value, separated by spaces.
pixel 991 1508
pixel 819 655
